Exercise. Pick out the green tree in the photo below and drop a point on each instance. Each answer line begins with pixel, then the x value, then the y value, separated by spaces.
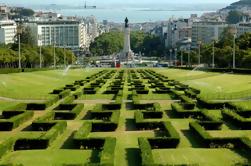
pixel 234 17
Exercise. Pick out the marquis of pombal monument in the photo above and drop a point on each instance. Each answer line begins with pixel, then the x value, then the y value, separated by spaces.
pixel 127 54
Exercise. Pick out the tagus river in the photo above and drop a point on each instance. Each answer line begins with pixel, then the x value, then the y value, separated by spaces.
pixel 136 15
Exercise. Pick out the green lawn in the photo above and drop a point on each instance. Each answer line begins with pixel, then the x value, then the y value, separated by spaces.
pixel 38 85
pixel 47 157
pixel 209 82
pixel 205 157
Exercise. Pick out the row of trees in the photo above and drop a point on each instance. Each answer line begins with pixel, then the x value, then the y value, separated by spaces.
pixel 30 53
pixel 224 52
pixel 112 42
pixel 30 56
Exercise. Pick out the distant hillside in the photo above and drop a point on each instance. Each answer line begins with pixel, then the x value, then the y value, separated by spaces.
pixel 239 4
pixel 242 3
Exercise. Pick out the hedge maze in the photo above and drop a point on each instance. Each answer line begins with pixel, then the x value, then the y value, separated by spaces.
pixel 125 117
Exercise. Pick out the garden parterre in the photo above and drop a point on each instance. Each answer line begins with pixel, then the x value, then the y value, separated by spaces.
pixel 125 117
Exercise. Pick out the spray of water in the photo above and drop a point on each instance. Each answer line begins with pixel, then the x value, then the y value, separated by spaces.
pixel 4 83
pixel 66 70
pixel 197 68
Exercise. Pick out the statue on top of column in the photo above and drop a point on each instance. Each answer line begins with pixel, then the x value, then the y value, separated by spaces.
pixel 126 22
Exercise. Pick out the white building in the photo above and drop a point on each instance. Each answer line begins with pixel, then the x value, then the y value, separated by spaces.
pixel 205 32
pixel 7 31
pixel 176 31
pixel 68 34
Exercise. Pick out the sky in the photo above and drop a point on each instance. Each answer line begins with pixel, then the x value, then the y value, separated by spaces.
pixel 96 2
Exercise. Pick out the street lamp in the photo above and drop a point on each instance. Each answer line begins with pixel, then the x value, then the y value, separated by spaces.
pixel 213 56
pixel 189 57
pixel 234 32
pixel 213 65
pixel 175 56
pixel 40 51
pixel 54 54
pixel 19 32
pixel 170 55
pixel 181 58
pixel 199 44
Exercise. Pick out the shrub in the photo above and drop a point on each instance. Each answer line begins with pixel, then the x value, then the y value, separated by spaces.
pixel 6 146
pixel 47 117
pixel 68 99
pixel 84 131
pixel 107 155
pixel 210 104
pixel 237 120
pixel 56 130
pixel 64 93
pixel 146 152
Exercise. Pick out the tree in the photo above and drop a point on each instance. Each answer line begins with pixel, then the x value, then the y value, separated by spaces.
pixel 107 44
pixel 113 42
pixel 26 12
pixel 234 17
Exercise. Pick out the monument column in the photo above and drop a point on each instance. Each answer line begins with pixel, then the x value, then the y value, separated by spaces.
pixel 127 54
pixel 127 43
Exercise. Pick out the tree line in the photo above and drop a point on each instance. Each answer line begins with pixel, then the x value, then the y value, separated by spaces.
pixel 223 51
pixel 30 56
pixel 112 42
pixel 30 52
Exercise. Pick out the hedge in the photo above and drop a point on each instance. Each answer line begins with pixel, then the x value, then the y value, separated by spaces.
pixel 115 117
pixel 237 120
pixel 195 126
pixel 68 99
pixel 146 152
pixel 47 117
pixel 15 121
pixel 56 130
pixel 6 146
pixel 181 112
pixel 188 102
pixel 108 153
pixel 52 100
pixel 64 93
pixel 83 132
pixel 204 103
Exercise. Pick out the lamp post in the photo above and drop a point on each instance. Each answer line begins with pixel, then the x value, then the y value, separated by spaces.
pixel 64 57
pixel 170 55
pixel 19 51
pixel 175 56
pixel 189 57
pixel 40 51
pixel 19 32
pixel 54 55
pixel 234 32
pixel 213 65
pixel 199 56
pixel 181 58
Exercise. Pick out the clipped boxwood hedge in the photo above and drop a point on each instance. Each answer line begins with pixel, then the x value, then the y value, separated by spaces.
pixel 146 152
pixel 107 154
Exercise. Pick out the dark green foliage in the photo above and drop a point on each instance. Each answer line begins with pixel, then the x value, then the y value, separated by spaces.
pixel 107 155
pixel 6 146
pixel 239 121
pixel 112 42
pixel 15 121
pixel 84 131
pixel 146 152
pixel 234 17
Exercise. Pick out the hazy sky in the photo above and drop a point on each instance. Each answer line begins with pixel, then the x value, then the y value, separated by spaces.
pixel 25 2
